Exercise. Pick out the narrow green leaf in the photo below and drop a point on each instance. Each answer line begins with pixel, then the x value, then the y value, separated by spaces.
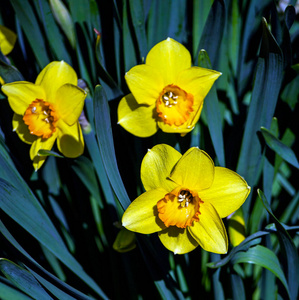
pixel 64 19
pixel 104 75
pixel 212 112
pixel 20 204
pixel 237 287
pixel 106 145
pixel 51 287
pixel 43 152
pixel 268 77
pixel 200 12
pixel 281 149
pixel 248 242
pixel 7 72
pixel 53 34
pixel 289 250
pixel 130 56
pixel 23 280
pixel 263 257
pixel 32 30
pixel 214 27
pixel 9 292
pixel 138 20
pixel 217 285
pixel 252 13
pixel 45 273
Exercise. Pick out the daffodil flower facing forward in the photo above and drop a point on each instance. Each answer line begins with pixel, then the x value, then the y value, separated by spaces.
pixel 48 110
pixel 186 197
pixel 167 93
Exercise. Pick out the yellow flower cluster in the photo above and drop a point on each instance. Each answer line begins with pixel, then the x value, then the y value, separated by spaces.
pixel 186 195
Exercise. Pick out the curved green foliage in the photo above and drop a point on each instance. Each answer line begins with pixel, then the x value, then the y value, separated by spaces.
pixel 289 249
pixel 8 291
pixel 105 140
pixel 263 257
pixel 23 280
pixel 280 148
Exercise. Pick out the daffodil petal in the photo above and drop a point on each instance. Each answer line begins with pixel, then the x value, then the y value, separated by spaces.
pixel 210 232
pixel 194 170
pixel 21 93
pixel 236 228
pixel 70 140
pixel 55 75
pixel 22 130
pixel 145 83
pixel 7 40
pixel 137 119
pixel 157 165
pixel 170 58
pixel 227 193
pixel 197 81
pixel 142 215
pixel 177 240
pixel 45 144
pixel 70 102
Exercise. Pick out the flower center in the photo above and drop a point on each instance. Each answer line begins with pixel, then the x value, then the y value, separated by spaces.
pixel 174 105
pixel 40 116
pixel 179 208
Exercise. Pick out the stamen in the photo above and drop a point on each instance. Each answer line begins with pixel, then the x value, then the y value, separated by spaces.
pixel 174 105
pixel 180 207
pixel 33 109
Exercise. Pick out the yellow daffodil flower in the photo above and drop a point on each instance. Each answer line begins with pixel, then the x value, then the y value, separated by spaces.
pixel 166 92
pixel 186 197
pixel 7 40
pixel 48 110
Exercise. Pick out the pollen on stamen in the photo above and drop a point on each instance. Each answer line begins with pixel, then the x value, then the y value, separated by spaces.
pixel 33 109
pixel 45 113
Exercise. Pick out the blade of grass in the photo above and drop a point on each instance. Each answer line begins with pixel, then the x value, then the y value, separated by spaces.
pixel 266 87
pixel 23 279
pixel 263 257
pixel 28 21
pixel 289 251
pixel 106 145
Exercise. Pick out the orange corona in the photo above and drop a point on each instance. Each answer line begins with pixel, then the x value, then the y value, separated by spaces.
pixel 41 118
pixel 174 105
pixel 180 207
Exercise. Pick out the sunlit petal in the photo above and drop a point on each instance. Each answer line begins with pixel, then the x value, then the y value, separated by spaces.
pixel 7 40
pixel 210 232
pixel 227 193
pixel 177 240
pixel 142 215
pixel 170 58
pixel 69 103
pixel 21 93
pixel 145 83
pixel 194 170
pixel 136 118
pixel 55 75
pixel 157 165
pixel 197 81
